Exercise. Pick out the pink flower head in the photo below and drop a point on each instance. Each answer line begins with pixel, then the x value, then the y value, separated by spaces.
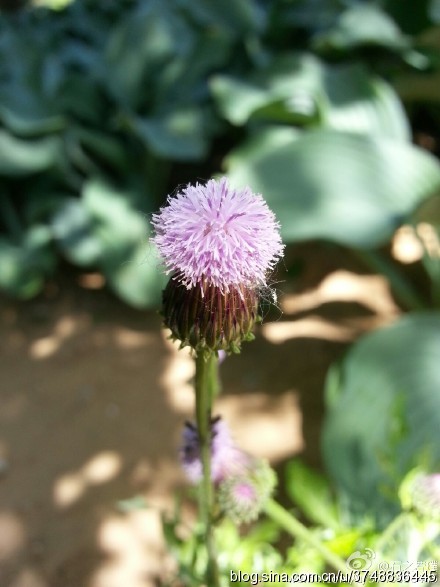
pixel 218 234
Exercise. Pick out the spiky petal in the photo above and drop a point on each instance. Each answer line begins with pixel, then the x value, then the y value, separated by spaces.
pixel 218 235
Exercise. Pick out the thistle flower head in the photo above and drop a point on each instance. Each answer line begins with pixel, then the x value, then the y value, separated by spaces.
pixel 226 458
pixel 219 236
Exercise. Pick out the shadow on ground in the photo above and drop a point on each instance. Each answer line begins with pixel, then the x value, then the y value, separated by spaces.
pixel 93 398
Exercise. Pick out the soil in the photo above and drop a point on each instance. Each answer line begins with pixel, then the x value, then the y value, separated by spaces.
pixel 93 398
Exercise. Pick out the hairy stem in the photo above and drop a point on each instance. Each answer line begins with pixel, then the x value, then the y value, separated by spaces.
pixel 205 374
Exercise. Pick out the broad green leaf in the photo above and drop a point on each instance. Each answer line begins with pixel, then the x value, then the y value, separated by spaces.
pixel 311 493
pixel 115 223
pixel 363 24
pixel 353 100
pixel 241 17
pixel 312 15
pixel 238 99
pixel 141 46
pixel 348 188
pixel 128 260
pixel 73 229
pixel 24 266
pixel 300 89
pixel 385 419
pixel 20 157
pixel 103 229
pixel 179 135
pixel 19 119
pixel 287 90
pixel 137 279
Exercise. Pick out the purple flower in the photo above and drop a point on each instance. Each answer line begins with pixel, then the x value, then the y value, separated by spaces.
pixel 218 235
pixel 243 483
pixel 226 458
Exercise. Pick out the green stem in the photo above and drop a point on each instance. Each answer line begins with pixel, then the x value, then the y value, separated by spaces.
pixel 397 528
pixel 396 524
pixel 214 385
pixel 204 371
pixel 401 286
pixel 291 525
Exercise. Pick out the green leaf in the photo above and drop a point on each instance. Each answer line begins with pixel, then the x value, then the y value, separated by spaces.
pixel 103 229
pixel 19 119
pixel 385 418
pixel 73 229
pixel 137 279
pixel 356 101
pixel 300 89
pixel 311 493
pixel 180 134
pixel 348 188
pixel 20 157
pixel 241 17
pixel 363 24
pixel 129 261
pixel 24 266
pixel 287 90
pixel 115 223
pixel 238 99
pixel 142 45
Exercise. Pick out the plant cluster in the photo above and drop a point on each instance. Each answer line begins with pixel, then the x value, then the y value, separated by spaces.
pixel 103 102
pixel 100 106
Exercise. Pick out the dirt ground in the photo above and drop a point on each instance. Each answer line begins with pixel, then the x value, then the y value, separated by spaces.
pixel 93 398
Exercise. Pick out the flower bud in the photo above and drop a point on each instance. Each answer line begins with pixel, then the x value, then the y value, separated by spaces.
pixel 205 318
pixel 243 497
pixel 424 493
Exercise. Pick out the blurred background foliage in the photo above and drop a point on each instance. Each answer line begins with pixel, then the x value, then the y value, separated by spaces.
pixel 330 108
pixel 107 105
